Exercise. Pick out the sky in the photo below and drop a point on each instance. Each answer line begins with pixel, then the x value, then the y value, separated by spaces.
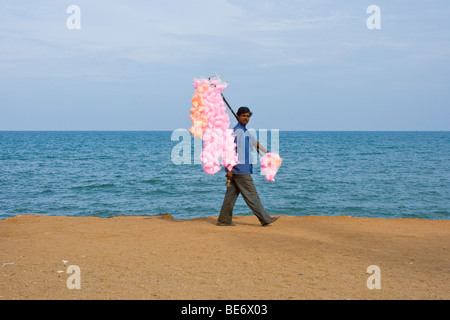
pixel 297 64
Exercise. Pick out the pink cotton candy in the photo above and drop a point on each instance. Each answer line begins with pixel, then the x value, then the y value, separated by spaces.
pixel 211 123
pixel 270 163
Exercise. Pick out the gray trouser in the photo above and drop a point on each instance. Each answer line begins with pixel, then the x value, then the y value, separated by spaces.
pixel 242 184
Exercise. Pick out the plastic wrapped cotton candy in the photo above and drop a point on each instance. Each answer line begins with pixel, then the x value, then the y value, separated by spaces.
pixel 211 123
pixel 270 163
pixel 198 116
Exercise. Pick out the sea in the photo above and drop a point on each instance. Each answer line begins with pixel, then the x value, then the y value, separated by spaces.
pixel 107 174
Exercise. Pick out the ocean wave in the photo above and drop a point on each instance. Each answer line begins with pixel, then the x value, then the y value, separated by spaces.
pixel 94 186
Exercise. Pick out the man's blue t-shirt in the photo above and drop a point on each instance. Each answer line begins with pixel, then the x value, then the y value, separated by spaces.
pixel 242 141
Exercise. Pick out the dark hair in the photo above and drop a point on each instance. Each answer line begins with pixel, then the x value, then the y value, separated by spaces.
pixel 242 110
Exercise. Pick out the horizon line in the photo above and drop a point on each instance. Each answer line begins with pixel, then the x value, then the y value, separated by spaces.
pixel 167 130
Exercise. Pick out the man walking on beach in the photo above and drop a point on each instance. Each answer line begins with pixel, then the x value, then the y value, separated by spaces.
pixel 240 176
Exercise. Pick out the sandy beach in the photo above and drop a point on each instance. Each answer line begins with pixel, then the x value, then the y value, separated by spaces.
pixel 157 257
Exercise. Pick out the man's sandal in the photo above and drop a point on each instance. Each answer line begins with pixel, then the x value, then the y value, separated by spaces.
pixel 272 221
pixel 222 224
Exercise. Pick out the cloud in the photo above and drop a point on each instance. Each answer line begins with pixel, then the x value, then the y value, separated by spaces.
pixel 151 31
pixel 34 38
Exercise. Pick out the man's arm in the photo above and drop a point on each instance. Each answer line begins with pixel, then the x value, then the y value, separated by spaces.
pixel 229 174
pixel 259 146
